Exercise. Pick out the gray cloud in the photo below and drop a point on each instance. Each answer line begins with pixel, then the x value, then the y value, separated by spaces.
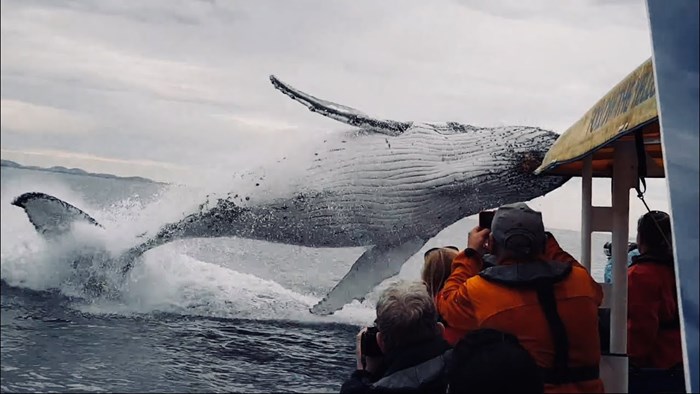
pixel 583 14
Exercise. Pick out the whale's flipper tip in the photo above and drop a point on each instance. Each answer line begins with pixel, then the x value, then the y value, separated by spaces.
pixel 331 304
pixel 374 266
pixel 318 310
pixel 51 216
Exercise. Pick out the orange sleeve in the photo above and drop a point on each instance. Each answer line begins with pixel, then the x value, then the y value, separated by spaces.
pixel 644 302
pixel 554 252
pixel 453 301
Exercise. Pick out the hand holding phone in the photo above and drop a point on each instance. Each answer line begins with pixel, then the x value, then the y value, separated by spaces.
pixel 477 240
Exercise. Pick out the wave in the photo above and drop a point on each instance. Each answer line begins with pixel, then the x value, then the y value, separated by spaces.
pixel 169 282
pixel 165 280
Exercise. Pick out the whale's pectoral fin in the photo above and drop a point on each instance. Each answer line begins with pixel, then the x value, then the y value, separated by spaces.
pixel 341 113
pixel 51 216
pixel 374 266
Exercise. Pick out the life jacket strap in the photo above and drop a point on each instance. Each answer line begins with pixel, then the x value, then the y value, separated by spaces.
pixel 548 303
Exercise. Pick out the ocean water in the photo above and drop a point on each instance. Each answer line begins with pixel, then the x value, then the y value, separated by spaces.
pixel 201 315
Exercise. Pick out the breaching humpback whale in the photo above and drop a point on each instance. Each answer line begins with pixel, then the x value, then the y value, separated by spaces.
pixel 386 185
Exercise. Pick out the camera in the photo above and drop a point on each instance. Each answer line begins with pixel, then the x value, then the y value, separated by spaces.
pixel 368 343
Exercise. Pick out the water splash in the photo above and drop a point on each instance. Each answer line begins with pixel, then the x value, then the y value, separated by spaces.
pixel 165 279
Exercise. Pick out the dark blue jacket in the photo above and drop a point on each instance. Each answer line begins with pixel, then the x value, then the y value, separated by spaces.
pixel 420 368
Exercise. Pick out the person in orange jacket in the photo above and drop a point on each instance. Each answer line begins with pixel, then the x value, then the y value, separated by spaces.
pixel 536 291
pixel 437 266
pixel 653 321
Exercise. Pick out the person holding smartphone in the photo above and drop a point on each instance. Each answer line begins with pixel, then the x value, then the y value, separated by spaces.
pixel 405 351
pixel 535 291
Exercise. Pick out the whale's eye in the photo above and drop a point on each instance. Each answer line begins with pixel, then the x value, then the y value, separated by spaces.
pixel 529 162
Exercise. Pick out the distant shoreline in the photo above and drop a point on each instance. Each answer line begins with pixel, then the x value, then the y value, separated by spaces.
pixel 76 171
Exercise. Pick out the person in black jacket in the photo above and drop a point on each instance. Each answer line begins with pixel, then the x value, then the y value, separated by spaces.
pixel 414 356
pixel 492 361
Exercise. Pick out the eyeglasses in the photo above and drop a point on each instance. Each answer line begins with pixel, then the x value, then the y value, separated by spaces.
pixel 443 247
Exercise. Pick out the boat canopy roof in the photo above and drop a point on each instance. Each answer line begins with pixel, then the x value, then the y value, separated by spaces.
pixel 628 108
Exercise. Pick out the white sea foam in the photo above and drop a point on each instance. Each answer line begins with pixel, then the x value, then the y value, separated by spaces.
pixel 163 280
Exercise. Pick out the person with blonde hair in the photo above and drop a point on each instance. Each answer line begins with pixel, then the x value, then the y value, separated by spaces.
pixel 437 267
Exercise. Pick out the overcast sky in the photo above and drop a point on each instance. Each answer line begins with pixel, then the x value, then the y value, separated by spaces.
pixel 170 89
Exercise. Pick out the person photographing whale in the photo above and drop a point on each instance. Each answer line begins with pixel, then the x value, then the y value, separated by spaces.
pixel 536 291
pixel 404 351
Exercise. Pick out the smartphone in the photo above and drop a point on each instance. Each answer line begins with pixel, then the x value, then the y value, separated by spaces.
pixel 368 343
pixel 485 219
